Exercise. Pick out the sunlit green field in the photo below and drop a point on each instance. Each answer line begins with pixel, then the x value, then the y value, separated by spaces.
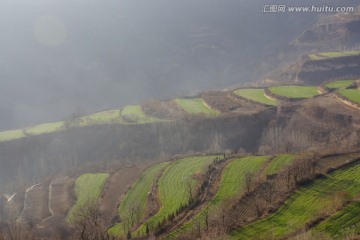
pixel 339 84
pixel 195 106
pixel 11 134
pixel 279 162
pixel 257 95
pixel 134 114
pixel 45 128
pixel 304 206
pixel 174 187
pixel 232 184
pixel 295 91
pixel 136 197
pixel 36 130
pixel 342 223
pixel 351 94
pixel 104 117
pixel 88 189
pixel 328 55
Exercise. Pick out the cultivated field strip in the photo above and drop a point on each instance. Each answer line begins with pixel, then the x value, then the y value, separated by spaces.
pixel 279 163
pixel 351 94
pixel 342 223
pixel 257 95
pixel 59 196
pixel 295 91
pixel 134 114
pixel 175 186
pixel 88 189
pixel 103 117
pixel 195 106
pixel 232 185
pixel 163 109
pixel 329 55
pixel 133 207
pixel 35 206
pixel 341 84
pixel 304 207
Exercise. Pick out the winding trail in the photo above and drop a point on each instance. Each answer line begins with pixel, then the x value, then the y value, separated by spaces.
pixel 9 197
pixel 25 199
pixel 49 201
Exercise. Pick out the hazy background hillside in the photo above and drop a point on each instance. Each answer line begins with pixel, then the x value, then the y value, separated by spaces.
pixel 60 57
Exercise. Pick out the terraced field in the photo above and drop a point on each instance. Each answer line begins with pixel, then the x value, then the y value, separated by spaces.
pixel 104 117
pixel 341 84
pixel 195 106
pixel 88 189
pixel 351 94
pixel 174 187
pixel 257 95
pixel 136 197
pixel 134 114
pixel 341 224
pixel 11 134
pixel 279 162
pixel 36 130
pixel 329 55
pixel 45 128
pixel 295 91
pixel 232 184
pixel 305 206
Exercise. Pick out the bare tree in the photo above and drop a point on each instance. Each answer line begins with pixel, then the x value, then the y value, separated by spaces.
pixel 18 231
pixel 249 180
pixel 269 191
pixel 88 225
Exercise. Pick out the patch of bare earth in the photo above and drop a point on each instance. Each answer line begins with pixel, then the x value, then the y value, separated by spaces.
pixel 35 204
pixel 59 202
pixel 163 109
pixel 116 187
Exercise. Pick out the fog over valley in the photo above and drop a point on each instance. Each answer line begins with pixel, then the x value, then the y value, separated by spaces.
pixel 61 57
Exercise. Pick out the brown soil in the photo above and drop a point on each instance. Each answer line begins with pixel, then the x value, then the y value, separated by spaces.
pixel 153 203
pixel 117 185
pixel 36 207
pixel 60 203
pixel 60 199
pixel 227 102
pixel 163 110
pixel 329 110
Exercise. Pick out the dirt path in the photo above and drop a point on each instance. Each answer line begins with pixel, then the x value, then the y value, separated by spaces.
pixel 116 186
pixel 59 197
pixel 35 204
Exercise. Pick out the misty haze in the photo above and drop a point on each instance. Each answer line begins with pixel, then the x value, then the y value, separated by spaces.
pixel 179 119
pixel 61 57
